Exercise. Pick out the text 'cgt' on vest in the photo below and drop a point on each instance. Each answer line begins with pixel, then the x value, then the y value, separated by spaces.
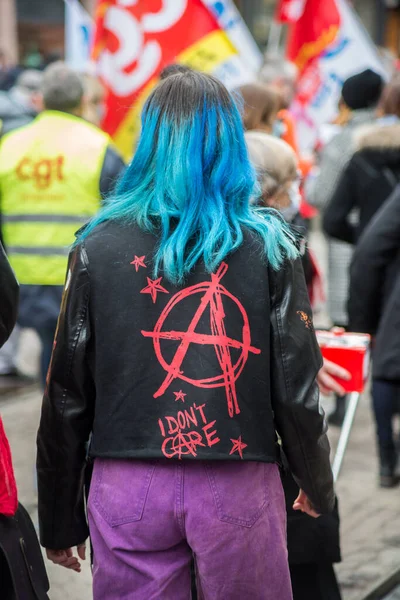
pixel 49 187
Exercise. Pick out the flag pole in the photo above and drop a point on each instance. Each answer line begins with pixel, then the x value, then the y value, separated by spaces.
pixel 79 26
pixel 274 38
pixel 69 3
pixel 345 434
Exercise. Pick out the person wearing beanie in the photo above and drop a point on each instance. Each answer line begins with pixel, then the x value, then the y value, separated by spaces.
pixel 363 90
pixel 374 168
pixel 360 94
pixel 369 179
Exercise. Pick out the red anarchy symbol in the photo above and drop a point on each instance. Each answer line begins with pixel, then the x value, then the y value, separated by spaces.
pixel 212 296
pixel 182 444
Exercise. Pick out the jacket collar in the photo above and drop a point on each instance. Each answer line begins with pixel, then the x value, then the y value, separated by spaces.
pixel 378 136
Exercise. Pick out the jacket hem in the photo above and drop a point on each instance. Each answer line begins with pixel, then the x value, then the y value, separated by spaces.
pixel 147 454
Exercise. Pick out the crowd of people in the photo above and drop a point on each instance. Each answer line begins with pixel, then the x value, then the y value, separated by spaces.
pixel 159 419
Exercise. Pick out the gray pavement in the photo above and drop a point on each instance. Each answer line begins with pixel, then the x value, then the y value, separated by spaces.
pixel 370 516
pixel 370 526
pixel 395 595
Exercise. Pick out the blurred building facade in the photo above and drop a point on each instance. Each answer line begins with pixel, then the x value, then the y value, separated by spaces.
pixel 29 29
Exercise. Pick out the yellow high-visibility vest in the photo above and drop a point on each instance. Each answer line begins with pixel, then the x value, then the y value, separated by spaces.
pixel 49 187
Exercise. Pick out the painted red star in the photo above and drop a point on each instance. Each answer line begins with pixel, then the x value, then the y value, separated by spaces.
pixel 153 287
pixel 179 396
pixel 238 446
pixel 139 262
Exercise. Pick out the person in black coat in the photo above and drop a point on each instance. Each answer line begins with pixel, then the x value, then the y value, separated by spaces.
pixel 374 307
pixel 8 298
pixel 371 175
pixel 313 545
pixel 22 572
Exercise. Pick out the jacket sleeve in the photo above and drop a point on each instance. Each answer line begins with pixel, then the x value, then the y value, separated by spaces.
pixel 377 248
pixel 296 360
pixel 336 222
pixel 67 417
pixel 113 166
pixel 8 299
pixel 322 182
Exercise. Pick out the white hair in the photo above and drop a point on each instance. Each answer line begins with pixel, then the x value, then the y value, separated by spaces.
pixel 274 161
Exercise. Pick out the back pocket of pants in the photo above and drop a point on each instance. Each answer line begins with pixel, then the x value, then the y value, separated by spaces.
pixel 240 491
pixel 119 489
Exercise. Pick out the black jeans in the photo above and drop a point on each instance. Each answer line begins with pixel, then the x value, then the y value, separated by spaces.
pixel 385 400
pixel 314 582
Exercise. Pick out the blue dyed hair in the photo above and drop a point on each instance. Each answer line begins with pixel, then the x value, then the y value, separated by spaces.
pixel 190 181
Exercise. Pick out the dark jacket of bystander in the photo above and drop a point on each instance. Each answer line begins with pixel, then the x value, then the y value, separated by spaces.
pixel 367 182
pixel 374 304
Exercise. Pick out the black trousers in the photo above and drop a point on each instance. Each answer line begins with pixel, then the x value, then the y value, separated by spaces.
pixel 6 582
pixel 314 582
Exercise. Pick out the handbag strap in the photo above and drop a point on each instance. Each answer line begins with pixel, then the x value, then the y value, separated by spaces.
pixel 390 177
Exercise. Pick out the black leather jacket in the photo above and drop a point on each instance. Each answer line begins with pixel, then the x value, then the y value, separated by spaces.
pixel 208 370
pixel 8 298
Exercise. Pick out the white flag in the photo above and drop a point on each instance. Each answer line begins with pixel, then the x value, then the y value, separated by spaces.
pixel 320 85
pixel 244 67
pixel 79 28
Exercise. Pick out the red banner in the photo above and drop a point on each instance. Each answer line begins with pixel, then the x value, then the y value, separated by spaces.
pixel 313 31
pixel 136 39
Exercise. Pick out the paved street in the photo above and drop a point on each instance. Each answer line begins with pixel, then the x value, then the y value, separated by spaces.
pixel 370 516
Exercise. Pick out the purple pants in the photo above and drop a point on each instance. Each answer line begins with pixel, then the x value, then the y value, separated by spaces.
pixel 149 518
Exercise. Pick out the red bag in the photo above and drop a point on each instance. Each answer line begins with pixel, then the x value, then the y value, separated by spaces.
pixel 8 487
pixel 349 350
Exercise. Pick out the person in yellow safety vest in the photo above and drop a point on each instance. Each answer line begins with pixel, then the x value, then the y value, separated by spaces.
pixel 54 174
pixel 18 107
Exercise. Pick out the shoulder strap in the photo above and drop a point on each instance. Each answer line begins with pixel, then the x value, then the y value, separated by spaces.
pixel 390 177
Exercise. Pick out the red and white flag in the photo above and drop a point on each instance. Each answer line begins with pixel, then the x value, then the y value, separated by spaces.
pixel 135 39
pixel 328 44
pixel 289 11
pixel 316 27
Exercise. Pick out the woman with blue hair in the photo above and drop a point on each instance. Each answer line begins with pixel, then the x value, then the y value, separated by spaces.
pixel 184 345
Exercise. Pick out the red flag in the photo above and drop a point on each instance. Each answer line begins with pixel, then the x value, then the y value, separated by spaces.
pixel 313 31
pixel 289 11
pixel 135 40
